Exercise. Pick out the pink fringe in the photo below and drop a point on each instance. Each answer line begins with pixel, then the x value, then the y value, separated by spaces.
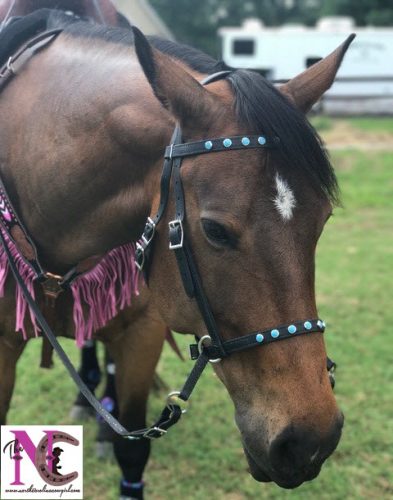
pixel 105 290
pixel 98 294
pixel 28 276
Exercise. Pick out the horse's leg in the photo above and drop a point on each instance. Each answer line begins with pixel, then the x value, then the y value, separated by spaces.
pixel 136 355
pixel 11 347
pixel 90 373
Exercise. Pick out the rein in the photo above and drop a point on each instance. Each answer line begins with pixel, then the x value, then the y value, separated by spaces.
pixel 210 347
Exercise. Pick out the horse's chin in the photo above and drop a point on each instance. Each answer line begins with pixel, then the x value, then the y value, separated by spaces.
pixel 256 472
pixel 263 477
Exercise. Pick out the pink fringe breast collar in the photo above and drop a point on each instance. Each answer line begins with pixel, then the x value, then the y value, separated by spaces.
pixel 98 294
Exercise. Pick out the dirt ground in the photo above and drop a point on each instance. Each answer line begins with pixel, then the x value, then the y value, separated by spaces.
pixel 343 135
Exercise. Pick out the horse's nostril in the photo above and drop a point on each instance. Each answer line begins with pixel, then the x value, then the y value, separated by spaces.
pixel 298 451
pixel 292 450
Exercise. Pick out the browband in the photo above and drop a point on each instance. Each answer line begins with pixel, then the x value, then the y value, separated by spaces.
pixel 221 144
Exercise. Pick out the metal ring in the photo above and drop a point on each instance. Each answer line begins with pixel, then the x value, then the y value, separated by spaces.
pixel 201 345
pixel 174 398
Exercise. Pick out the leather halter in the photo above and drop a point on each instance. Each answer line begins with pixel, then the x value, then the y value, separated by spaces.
pixel 210 347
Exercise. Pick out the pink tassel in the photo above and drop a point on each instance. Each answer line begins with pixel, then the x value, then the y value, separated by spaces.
pixel 28 276
pixel 104 291
pixel 98 294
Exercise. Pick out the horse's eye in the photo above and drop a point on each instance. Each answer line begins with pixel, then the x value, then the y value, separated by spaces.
pixel 218 234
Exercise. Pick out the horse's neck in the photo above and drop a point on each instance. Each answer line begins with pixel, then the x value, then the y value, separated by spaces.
pixel 83 151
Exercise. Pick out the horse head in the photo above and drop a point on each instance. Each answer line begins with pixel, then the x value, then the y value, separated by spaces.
pixel 253 220
pixel 253 215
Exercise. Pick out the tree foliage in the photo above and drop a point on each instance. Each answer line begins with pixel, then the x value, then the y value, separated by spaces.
pixel 196 21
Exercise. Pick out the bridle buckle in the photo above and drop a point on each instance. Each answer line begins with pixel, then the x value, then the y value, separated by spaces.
pixel 149 231
pixel 176 227
pixel 139 256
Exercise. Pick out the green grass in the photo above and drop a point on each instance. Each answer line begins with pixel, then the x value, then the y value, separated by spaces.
pixel 202 458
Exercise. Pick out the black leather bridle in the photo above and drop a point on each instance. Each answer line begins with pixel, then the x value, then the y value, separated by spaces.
pixel 210 347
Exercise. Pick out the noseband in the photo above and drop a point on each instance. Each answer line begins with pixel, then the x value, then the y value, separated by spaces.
pixel 210 347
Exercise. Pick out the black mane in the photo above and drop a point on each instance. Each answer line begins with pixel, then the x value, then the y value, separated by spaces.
pixel 260 107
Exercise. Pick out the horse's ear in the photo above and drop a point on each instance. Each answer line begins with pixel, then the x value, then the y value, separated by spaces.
pixel 176 89
pixel 307 88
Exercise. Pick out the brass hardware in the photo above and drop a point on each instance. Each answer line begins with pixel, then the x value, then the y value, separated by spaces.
pixel 52 287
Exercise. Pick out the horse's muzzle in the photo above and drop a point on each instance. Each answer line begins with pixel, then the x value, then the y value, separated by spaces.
pixel 296 455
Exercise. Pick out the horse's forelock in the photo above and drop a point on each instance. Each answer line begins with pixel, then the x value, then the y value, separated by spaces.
pixel 261 108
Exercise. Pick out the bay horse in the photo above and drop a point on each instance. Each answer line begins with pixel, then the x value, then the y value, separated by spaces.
pixel 143 319
pixel 81 159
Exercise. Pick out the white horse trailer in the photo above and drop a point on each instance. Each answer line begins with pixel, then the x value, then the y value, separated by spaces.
pixel 364 83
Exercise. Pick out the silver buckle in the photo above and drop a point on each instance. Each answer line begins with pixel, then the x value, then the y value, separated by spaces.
pixel 173 224
pixel 147 241
pixel 149 433
pixel 140 265
pixel 206 340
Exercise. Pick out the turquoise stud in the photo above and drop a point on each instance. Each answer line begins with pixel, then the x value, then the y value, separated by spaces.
pixel 275 333
pixel 227 143
pixel 259 337
pixel 208 145
pixel 261 140
pixel 307 325
pixel 246 141
pixel 292 329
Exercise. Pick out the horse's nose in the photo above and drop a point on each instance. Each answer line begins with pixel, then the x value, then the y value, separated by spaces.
pixel 297 454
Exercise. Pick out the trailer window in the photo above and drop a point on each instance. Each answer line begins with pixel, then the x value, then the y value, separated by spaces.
pixel 243 47
pixel 312 60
